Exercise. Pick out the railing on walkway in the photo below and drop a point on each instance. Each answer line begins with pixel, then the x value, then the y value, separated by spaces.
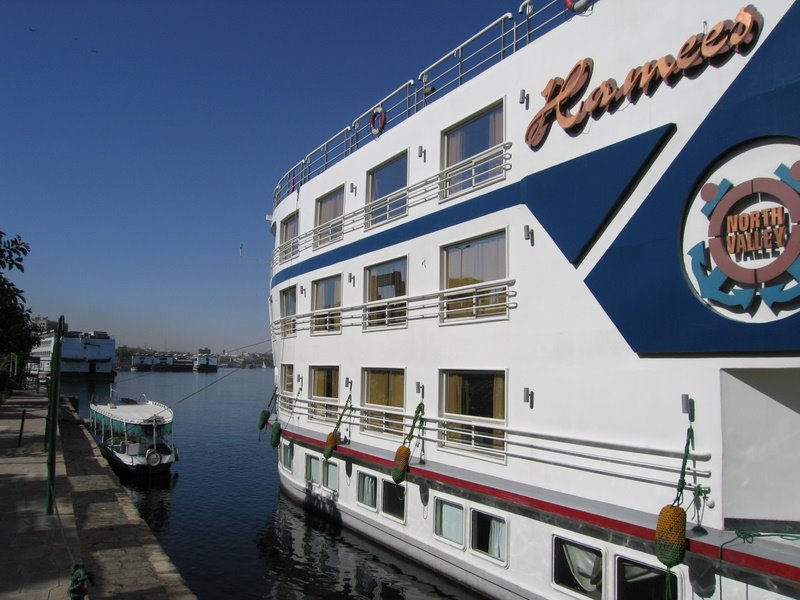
pixel 493 299
pixel 494 43
pixel 477 171
pixel 493 441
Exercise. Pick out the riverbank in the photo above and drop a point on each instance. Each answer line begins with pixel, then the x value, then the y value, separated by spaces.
pixel 95 522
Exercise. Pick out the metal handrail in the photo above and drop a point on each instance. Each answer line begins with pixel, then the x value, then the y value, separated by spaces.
pixel 435 187
pixel 412 99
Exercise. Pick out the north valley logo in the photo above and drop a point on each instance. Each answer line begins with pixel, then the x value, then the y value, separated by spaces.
pixel 740 242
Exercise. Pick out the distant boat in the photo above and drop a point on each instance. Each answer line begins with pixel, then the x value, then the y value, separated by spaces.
pixel 205 363
pixel 135 436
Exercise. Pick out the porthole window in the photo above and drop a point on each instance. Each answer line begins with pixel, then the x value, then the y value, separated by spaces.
pixel 578 568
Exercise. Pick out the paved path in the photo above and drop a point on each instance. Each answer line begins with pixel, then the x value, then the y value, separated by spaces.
pixel 103 528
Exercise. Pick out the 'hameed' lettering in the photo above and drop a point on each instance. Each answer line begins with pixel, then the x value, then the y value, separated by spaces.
pixel 561 95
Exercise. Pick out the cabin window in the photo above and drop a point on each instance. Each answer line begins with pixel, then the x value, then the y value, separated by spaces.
pixel 385 283
pixel 449 521
pixel 636 580
pixel 326 296
pixel 324 392
pixel 329 218
pixel 468 162
pixel 469 267
pixel 367 490
pixel 287 379
pixel 312 469
pixel 290 229
pixel 287 456
pixel 474 398
pixel 393 499
pixel 578 568
pixel 386 194
pixel 288 311
pixel 330 476
pixel 488 535
pixel 384 388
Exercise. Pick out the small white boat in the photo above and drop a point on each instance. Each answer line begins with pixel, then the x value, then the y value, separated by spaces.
pixel 134 435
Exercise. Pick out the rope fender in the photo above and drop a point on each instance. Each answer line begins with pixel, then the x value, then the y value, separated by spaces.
pixel 403 453
pixel 334 437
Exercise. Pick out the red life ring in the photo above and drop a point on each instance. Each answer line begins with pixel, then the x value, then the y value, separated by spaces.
pixel 576 6
pixel 377 121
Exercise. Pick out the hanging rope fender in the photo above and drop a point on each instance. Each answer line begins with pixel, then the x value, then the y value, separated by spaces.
pixel 276 426
pixel 333 436
pixel 671 526
pixel 403 454
pixel 263 419
pixel 78 587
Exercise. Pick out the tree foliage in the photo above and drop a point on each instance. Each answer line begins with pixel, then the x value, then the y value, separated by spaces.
pixel 17 332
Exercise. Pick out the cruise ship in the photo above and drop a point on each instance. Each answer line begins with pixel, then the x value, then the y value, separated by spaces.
pixel 534 313
pixel 85 356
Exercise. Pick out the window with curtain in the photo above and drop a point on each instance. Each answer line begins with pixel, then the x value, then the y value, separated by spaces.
pixel 636 580
pixel 324 391
pixel 367 490
pixel 287 379
pixel 312 469
pixel 287 456
pixel 288 311
pixel 326 294
pixel 385 200
pixel 578 568
pixel 467 140
pixel 475 262
pixel 329 222
pixel 383 282
pixel 330 476
pixel 290 229
pixel 488 535
pixel 449 521
pixel 393 499
pixel 474 396
pixel 384 388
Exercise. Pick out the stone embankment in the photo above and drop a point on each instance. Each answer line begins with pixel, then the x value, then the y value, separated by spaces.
pixel 94 523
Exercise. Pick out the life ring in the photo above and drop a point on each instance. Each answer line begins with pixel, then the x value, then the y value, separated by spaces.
pixel 377 121
pixel 153 458
pixel 576 6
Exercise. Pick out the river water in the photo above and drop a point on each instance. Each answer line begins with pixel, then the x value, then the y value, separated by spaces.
pixel 221 517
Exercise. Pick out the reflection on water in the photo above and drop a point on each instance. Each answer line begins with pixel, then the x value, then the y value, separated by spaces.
pixel 310 557
pixel 226 527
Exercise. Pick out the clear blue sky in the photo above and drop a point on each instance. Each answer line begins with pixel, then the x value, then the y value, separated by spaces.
pixel 140 141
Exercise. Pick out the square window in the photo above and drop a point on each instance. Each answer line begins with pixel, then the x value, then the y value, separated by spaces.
pixel 474 396
pixel 287 456
pixel 384 283
pixel 368 490
pixel 386 196
pixel 393 499
pixel 578 568
pixel 329 218
pixel 449 521
pixel 312 469
pixel 384 388
pixel 475 263
pixel 287 379
pixel 330 476
pixel 326 295
pixel 636 580
pixel 290 228
pixel 324 393
pixel 489 535
pixel 465 151
pixel 288 311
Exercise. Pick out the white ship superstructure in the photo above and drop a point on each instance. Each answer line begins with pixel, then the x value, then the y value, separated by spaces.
pixel 561 267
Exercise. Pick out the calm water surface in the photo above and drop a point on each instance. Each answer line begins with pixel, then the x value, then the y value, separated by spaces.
pixel 222 520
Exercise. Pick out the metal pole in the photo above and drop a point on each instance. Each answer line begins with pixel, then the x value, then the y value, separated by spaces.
pixel 21 428
pixel 52 414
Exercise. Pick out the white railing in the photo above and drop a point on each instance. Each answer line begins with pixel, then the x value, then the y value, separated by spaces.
pixel 486 300
pixel 496 42
pixel 477 171
pixel 494 441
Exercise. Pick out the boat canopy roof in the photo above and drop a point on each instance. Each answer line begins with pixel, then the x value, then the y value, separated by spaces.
pixel 132 411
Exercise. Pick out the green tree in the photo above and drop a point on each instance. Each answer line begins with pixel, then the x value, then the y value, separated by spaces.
pixel 17 332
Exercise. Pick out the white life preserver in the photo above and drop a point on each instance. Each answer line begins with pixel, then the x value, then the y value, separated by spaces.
pixel 377 121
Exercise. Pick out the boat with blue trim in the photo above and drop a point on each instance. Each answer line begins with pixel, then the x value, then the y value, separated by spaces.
pixel 591 206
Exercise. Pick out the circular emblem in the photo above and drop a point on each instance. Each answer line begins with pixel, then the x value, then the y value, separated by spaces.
pixel 741 249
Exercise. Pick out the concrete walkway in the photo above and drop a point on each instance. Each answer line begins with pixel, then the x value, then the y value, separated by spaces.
pixel 101 526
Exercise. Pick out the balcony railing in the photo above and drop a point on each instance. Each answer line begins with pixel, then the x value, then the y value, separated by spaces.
pixel 485 168
pixel 493 44
pixel 494 441
pixel 486 300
